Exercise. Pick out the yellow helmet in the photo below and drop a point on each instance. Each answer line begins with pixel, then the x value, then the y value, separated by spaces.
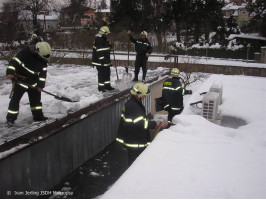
pixel 140 89
pixel 44 50
pixel 175 72
pixel 144 33
pixel 104 30
pixel 34 35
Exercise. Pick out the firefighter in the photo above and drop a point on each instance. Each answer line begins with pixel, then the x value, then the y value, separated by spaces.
pixel 143 49
pixel 173 95
pixel 28 66
pixel 35 39
pixel 101 59
pixel 133 131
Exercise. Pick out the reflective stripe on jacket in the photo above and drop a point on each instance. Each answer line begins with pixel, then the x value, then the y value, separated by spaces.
pixel 173 94
pixel 101 52
pixel 29 65
pixel 134 127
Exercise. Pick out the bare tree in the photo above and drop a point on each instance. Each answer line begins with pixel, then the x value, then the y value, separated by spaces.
pixel 34 6
pixel 190 76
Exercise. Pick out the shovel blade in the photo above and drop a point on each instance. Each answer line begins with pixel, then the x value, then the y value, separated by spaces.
pixel 121 85
pixel 127 77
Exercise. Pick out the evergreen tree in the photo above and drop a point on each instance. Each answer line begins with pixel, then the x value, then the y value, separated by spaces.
pixel 232 27
pixel 102 5
pixel 258 22
pixel 126 15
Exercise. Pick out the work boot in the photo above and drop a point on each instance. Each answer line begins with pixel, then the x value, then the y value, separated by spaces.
pixel 135 79
pixel 102 89
pixel 10 121
pixel 143 76
pixel 109 87
pixel 40 118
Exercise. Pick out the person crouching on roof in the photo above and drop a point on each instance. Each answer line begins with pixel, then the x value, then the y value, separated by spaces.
pixel 133 131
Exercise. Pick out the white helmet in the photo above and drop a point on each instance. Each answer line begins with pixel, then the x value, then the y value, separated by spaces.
pixel 44 50
pixel 140 89
pixel 144 33
pixel 104 30
pixel 175 72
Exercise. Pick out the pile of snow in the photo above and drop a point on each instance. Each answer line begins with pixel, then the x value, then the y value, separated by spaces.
pixel 199 159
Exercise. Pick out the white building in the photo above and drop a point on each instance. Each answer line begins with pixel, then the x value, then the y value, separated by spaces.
pixel 48 20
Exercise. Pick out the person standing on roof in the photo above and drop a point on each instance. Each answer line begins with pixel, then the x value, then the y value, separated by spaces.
pixel 35 39
pixel 28 66
pixel 143 49
pixel 101 59
pixel 173 95
pixel 133 131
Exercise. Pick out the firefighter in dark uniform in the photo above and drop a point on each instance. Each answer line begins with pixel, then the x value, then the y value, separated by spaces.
pixel 28 66
pixel 35 39
pixel 143 49
pixel 133 131
pixel 173 95
pixel 101 59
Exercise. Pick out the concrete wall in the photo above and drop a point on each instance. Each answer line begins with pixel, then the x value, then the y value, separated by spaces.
pixel 263 54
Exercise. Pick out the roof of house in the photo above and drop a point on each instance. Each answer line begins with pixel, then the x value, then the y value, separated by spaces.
pixel 234 6
pixel 245 36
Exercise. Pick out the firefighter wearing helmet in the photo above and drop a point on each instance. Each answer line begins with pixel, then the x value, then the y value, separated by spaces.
pixel 173 94
pixel 133 131
pixel 101 59
pixel 30 67
pixel 35 39
pixel 143 49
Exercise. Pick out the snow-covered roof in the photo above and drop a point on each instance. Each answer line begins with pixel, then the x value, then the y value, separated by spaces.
pixel 27 15
pixel 233 36
pixel 234 6
pixel 103 10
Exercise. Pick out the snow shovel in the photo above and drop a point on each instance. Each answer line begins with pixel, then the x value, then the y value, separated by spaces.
pixel 119 83
pixel 126 76
pixel 57 97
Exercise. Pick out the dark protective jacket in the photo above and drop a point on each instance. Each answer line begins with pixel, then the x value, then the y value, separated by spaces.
pixel 173 94
pixel 134 127
pixel 142 46
pixel 28 64
pixel 35 40
pixel 101 51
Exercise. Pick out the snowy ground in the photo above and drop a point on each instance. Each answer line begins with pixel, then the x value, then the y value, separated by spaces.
pixel 199 159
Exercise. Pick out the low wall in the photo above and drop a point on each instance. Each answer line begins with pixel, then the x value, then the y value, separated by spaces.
pixel 186 67
pixel 263 54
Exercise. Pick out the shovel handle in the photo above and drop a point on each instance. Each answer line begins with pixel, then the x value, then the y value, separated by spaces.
pixel 115 63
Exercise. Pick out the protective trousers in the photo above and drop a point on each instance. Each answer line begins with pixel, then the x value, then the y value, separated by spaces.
pixel 34 98
pixel 133 153
pixel 104 73
pixel 172 113
pixel 141 61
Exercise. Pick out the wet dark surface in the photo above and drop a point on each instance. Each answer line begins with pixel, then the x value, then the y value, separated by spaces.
pixel 232 122
pixel 95 177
